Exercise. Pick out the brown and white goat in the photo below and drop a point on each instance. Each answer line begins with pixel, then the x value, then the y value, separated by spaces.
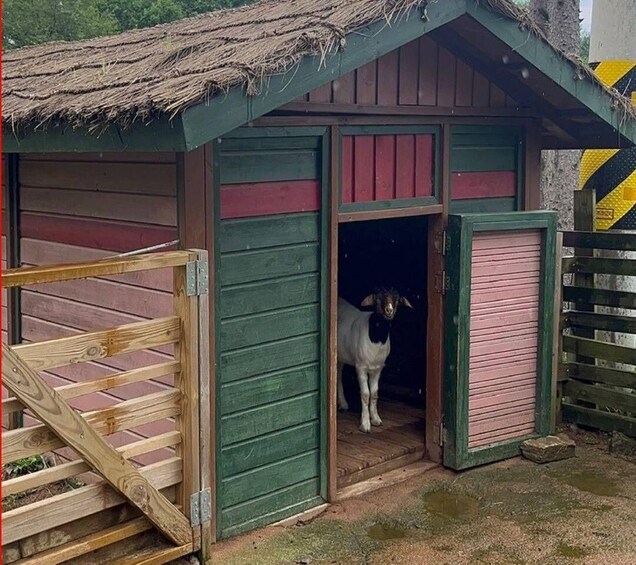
pixel 364 343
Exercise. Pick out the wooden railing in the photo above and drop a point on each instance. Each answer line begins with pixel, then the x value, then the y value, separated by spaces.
pixel 120 508
pixel 598 376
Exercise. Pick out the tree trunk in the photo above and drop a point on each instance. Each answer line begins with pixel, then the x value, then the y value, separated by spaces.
pixel 559 20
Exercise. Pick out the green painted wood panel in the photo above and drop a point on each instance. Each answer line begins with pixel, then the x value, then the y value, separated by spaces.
pixel 476 159
pixel 268 357
pixel 267 295
pixel 270 448
pixel 246 331
pixel 252 166
pixel 270 478
pixel 253 233
pixel 262 265
pixel 269 388
pixel 483 205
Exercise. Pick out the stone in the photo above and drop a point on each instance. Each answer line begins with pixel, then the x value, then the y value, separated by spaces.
pixel 547 449
pixel 620 444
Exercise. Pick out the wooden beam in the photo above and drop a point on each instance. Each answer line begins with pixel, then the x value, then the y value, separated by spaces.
pixel 600 321
pixel 594 349
pixel 109 266
pixel 532 167
pixel 344 217
pixel 53 411
pixel 588 239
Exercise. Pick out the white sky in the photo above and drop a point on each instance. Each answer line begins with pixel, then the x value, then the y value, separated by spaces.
pixel 586 13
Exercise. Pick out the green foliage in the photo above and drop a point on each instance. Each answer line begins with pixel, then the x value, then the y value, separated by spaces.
pixel 24 467
pixel 29 22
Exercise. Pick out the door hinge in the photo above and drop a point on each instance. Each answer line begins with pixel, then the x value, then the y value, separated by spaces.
pixel 197 278
pixel 441 243
pixel 442 282
pixel 201 507
pixel 442 433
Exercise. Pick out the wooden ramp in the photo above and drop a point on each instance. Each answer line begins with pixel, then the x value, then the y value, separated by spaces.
pixel 398 442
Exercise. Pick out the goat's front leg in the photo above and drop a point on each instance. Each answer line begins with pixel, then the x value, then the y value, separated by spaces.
pixel 342 401
pixel 374 385
pixel 363 381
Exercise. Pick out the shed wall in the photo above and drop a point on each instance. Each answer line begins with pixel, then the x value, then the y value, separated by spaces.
pixel 82 207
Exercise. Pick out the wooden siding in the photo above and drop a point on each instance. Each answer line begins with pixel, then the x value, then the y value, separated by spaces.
pixel 486 164
pixel 387 167
pixel 420 73
pixel 504 329
pixel 82 208
pixel 269 377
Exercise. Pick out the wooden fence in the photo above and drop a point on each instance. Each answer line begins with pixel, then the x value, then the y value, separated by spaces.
pixel 596 392
pixel 119 510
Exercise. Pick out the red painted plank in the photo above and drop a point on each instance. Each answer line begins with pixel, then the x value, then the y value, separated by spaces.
pixel 321 94
pixel 269 198
pixel 424 165
pixel 408 71
pixel 405 166
pixel 427 79
pixel 384 167
pixel 481 91
pixel 489 184
pixel 463 84
pixel 363 167
pixel 346 190
pixel 366 84
pixel 98 234
pixel 102 157
pixel 446 78
pixel 388 79
pixel 344 89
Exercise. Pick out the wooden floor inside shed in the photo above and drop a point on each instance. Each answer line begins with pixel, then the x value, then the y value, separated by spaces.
pixel 399 441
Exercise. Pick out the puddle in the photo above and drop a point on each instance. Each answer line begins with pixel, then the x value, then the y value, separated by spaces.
pixel 383 532
pixel 574 551
pixel 592 483
pixel 451 505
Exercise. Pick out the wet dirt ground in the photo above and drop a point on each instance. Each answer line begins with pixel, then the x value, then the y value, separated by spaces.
pixel 580 510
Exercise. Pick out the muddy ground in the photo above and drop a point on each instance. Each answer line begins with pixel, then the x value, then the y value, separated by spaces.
pixel 581 510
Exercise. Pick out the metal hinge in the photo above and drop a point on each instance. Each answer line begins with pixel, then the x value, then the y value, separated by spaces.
pixel 442 433
pixel 197 278
pixel 201 507
pixel 442 282
pixel 441 243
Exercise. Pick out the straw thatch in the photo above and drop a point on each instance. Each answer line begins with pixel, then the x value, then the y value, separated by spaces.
pixel 159 71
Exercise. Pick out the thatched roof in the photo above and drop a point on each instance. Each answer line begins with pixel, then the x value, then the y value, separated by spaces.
pixel 142 74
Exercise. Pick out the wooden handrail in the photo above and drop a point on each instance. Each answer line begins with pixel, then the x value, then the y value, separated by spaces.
pixel 600 240
pixel 109 266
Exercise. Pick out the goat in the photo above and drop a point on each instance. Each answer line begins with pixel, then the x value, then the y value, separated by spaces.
pixel 364 342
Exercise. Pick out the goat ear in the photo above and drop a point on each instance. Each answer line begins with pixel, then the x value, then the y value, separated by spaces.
pixel 406 302
pixel 369 300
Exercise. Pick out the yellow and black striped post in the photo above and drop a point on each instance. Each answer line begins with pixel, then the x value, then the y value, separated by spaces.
pixel 612 172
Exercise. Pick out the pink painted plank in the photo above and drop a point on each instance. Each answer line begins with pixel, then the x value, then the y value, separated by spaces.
pixel 463 84
pixel 489 184
pixel 424 165
pixel 384 167
pixel 269 198
pixel 388 79
pixel 427 79
pixel 114 236
pixel 446 78
pixel 499 268
pixel 363 166
pixel 346 189
pixel 408 71
pixel 501 422
pixel 502 345
pixel 344 89
pixel 516 396
pixel 511 319
pixel 518 293
pixel 500 435
pixel 509 410
pixel 489 334
pixel 405 166
pixel 366 84
pixel 502 385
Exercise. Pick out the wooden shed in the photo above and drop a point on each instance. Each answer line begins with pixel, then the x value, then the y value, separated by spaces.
pixel 314 149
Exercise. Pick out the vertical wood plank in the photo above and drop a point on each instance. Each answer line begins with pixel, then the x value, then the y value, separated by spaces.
pixel 481 91
pixel 445 173
pixel 408 74
pixel 347 181
pixel 366 84
pixel 405 166
pixel 424 165
pixel 388 79
pixel 556 333
pixel 364 163
pixel 332 410
pixel 463 84
pixel 532 167
pixel 191 198
pixel 497 97
pixel 186 352
pixel 384 167
pixel 344 89
pixel 321 94
pixel 446 78
pixel 427 76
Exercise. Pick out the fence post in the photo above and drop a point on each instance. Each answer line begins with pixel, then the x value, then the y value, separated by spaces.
pixel 556 389
pixel 186 352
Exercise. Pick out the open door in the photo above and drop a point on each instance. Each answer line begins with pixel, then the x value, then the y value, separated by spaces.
pixel 499 324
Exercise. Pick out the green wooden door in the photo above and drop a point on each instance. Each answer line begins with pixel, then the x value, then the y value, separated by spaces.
pixel 499 328
pixel 270 329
